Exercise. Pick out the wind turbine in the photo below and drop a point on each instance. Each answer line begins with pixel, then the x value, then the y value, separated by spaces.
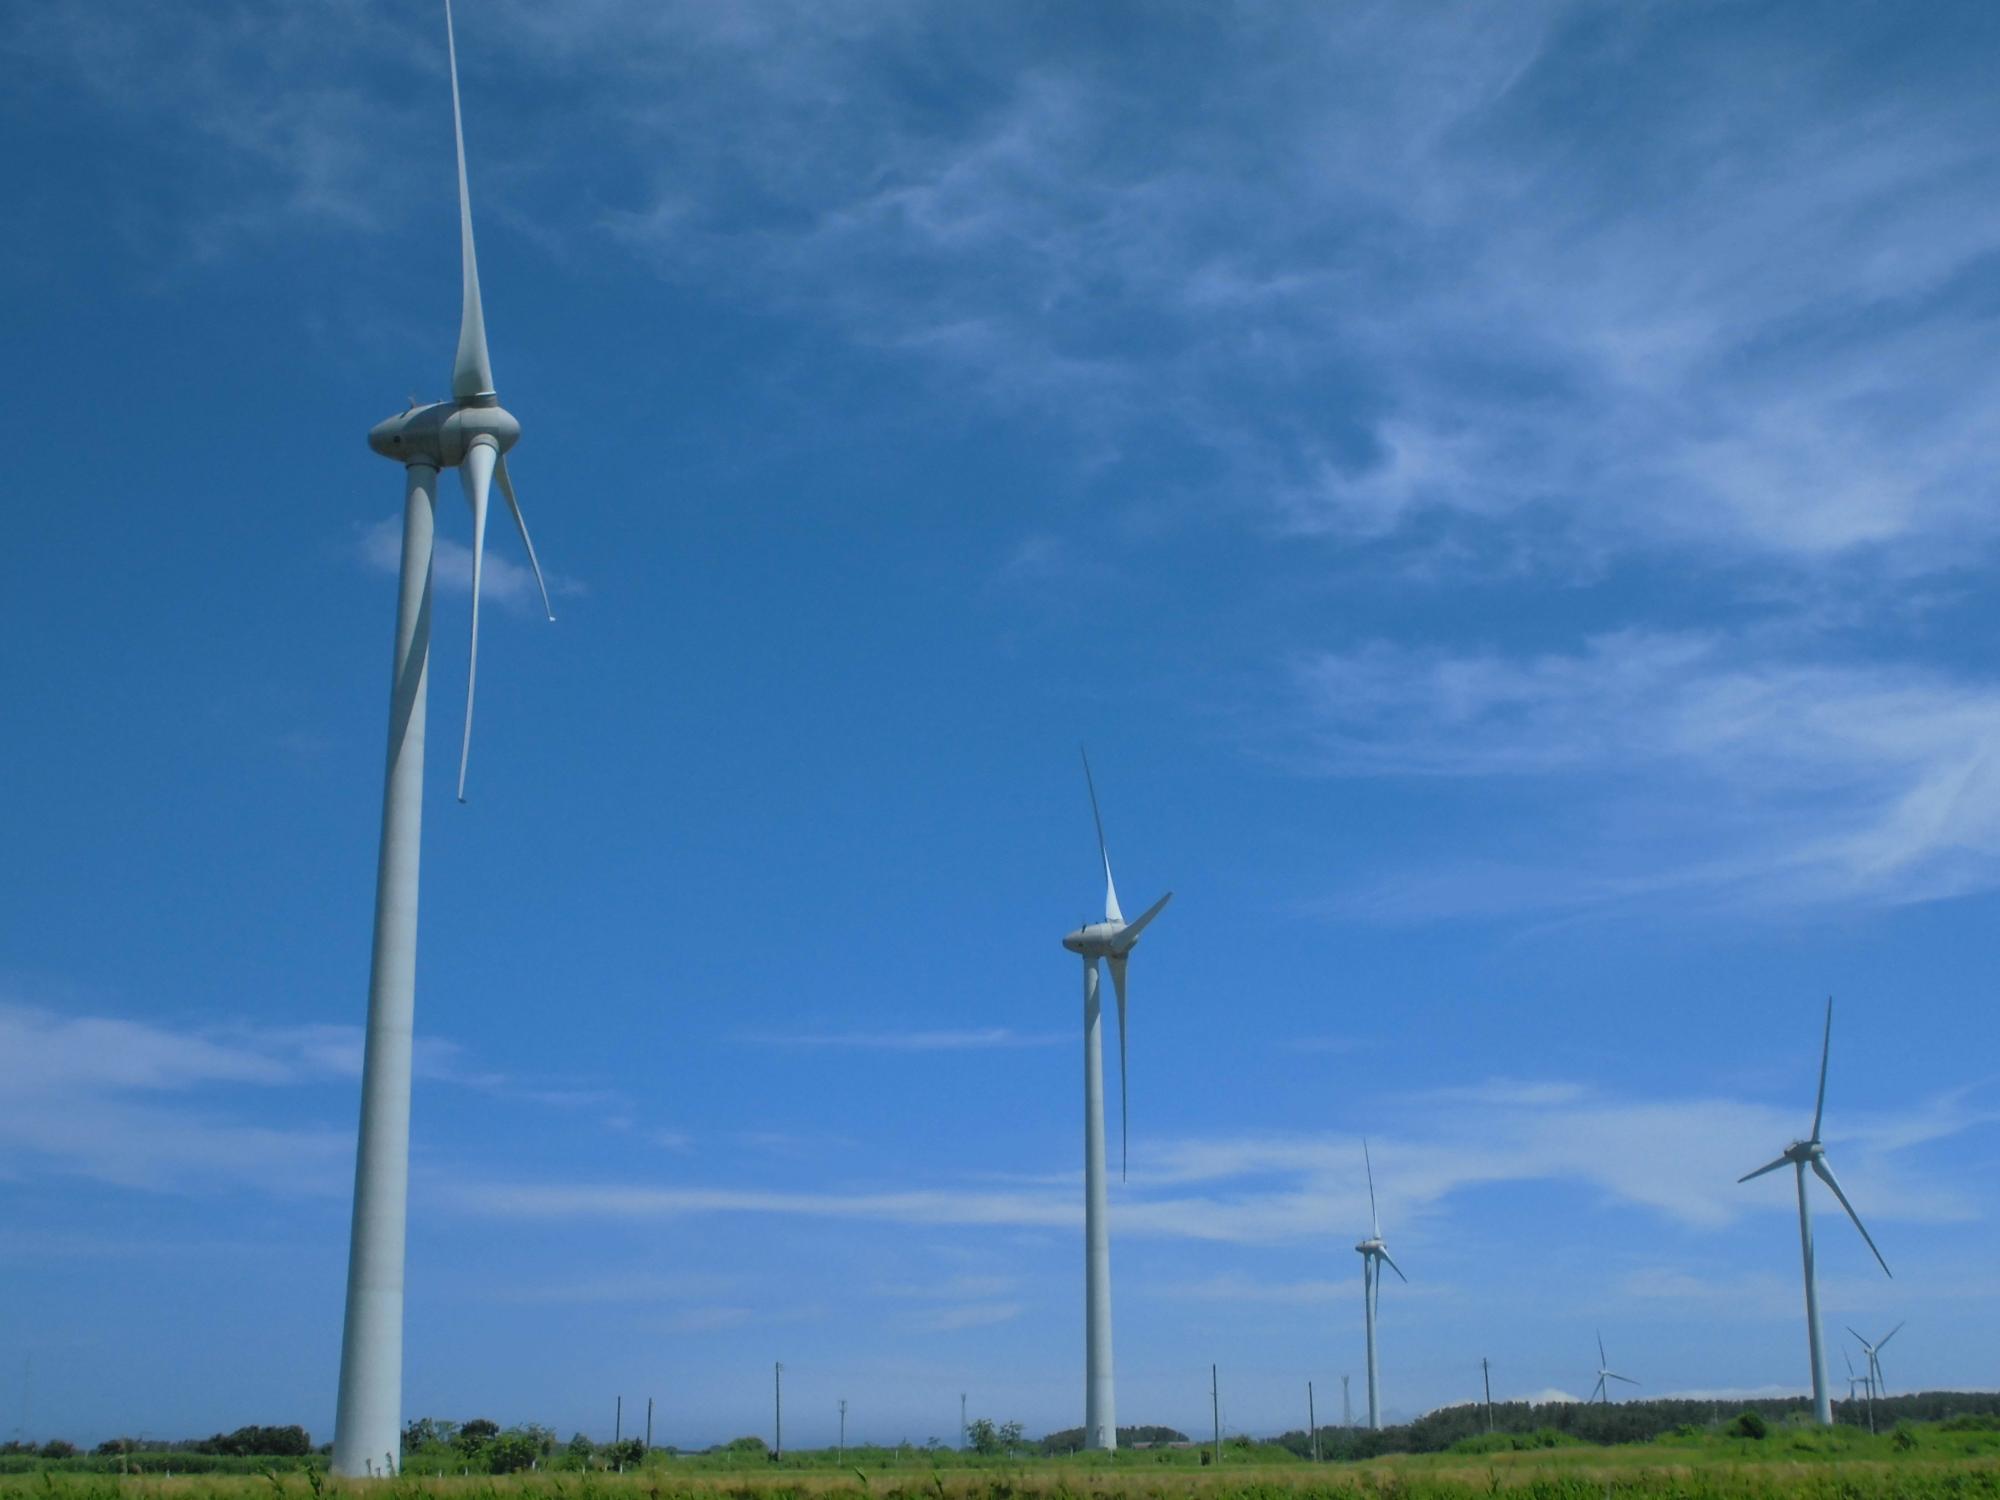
pixel 1801 1155
pixel 1874 1353
pixel 1110 939
pixel 1373 1250
pixel 472 433
pixel 1604 1373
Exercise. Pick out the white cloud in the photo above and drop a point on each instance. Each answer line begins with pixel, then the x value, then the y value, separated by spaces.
pixel 1357 255
pixel 130 1103
pixel 502 581
pixel 1676 1158
pixel 969 1315
pixel 976 1039
pixel 153 1105
pixel 1709 762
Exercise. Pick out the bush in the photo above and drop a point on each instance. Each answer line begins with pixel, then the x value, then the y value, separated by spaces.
pixel 1749 1424
pixel 513 1451
pixel 627 1454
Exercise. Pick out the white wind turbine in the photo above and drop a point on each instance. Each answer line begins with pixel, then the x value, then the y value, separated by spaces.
pixel 1601 1391
pixel 1372 1250
pixel 472 433
pixel 1874 1353
pixel 1801 1155
pixel 1110 939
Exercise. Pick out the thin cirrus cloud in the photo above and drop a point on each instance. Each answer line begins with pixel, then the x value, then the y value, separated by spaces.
pixel 1724 764
pixel 976 1039
pixel 149 1105
pixel 502 580
pixel 1675 1158
pixel 1726 317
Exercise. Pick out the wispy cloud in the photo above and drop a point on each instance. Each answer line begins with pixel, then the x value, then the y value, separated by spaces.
pixel 133 1104
pixel 632 1287
pixel 502 580
pixel 969 1315
pixel 1714 762
pixel 979 1039
pixel 153 1105
pixel 1726 318
pixel 1677 1158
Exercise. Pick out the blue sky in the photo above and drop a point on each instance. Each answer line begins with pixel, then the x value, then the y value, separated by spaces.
pixel 1505 491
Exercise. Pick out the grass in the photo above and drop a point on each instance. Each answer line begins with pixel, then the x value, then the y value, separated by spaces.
pixel 1935 1461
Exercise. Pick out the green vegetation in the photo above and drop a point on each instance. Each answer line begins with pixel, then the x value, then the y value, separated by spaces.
pixel 1933 1461
pixel 1766 1450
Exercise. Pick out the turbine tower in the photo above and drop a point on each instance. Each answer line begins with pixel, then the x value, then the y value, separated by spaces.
pixel 1874 1353
pixel 1801 1155
pixel 472 433
pixel 1373 1250
pixel 1110 939
pixel 1601 1391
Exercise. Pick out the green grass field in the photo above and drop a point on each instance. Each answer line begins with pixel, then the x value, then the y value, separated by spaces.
pixel 1926 1460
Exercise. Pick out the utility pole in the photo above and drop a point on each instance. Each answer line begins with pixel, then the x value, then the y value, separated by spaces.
pixel 843 1429
pixel 1215 1408
pixel 1312 1421
pixel 1346 1406
pixel 649 1424
pixel 1487 1375
pixel 618 1421
pixel 777 1411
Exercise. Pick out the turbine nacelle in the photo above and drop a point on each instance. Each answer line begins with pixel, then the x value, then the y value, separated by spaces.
pixel 1098 940
pixel 1372 1247
pixel 441 433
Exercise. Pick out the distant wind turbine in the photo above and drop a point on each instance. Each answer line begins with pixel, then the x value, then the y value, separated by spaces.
pixel 1372 1250
pixel 1112 940
pixel 472 433
pixel 1874 1353
pixel 1800 1155
pixel 1602 1392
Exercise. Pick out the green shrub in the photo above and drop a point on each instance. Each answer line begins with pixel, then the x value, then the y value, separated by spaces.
pixel 1749 1424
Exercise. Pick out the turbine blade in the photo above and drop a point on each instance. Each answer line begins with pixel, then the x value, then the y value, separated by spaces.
pixel 1111 911
pixel 476 473
pixel 1374 1220
pixel 1850 1364
pixel 1601 1360
pixel 521 525
pixel 1767 1167
pixel 1865 1346
pixel 471 370
pixel 1626 1378
pixel 1124 1108
pixel 1826 1176
pixel 1889 1335
pixel 1598 1390
pixel 1825 1051
pixel 1122 943
pixel 1394 1267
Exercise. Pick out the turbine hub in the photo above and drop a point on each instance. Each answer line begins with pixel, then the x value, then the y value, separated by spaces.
pixel 1093 941
pixel 440 433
